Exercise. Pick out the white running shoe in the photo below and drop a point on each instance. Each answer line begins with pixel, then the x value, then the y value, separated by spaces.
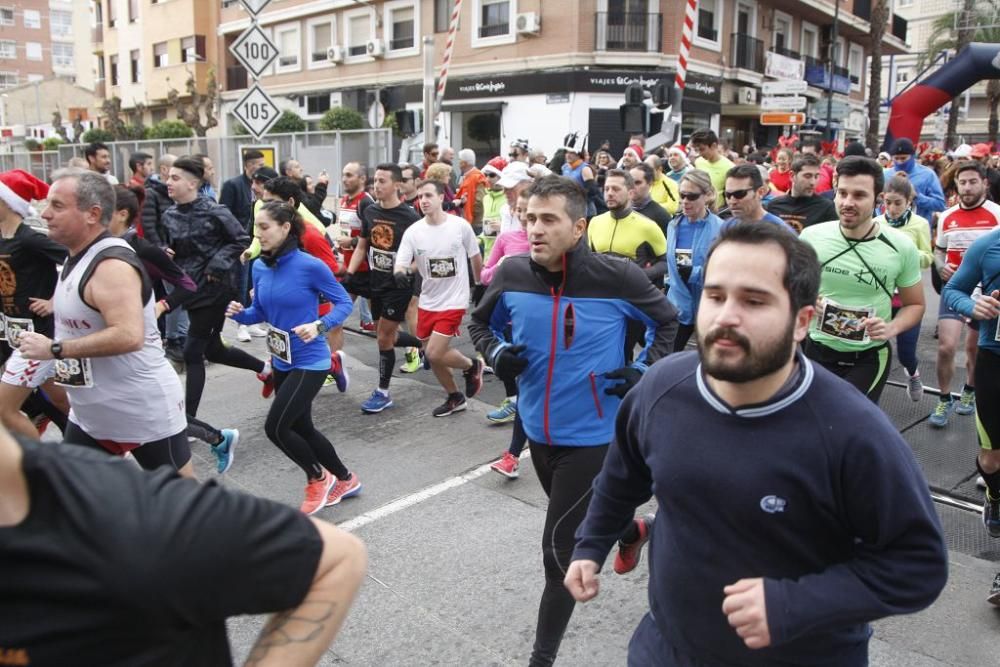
pixel 243 334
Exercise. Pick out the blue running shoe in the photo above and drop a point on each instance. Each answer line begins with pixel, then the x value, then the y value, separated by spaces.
pixel 339 371
pixel 225 451
pixel 504 414
pixel 939 418
pixel 967 403
pixel 377 402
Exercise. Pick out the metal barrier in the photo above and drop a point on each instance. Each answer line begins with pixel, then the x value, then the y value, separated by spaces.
pixel 314 150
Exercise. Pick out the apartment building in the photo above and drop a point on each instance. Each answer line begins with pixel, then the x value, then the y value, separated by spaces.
pixel 36 41
pixel 143 48
pixel 539 70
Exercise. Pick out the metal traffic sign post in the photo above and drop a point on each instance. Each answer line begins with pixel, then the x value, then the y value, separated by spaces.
pixel 255 51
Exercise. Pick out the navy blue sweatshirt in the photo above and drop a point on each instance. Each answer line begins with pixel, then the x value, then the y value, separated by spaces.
pixel 816 492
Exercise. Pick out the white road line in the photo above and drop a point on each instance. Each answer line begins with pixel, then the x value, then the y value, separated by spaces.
pixel 418 497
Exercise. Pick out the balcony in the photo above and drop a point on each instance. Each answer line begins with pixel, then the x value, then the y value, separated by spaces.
pixel 863 9
pixel 746 53
pixel 97 37
pixel 818 75
pixel 788 53
pixel 236 78
pixel 100 89
pixel 629 31
pixel 494 30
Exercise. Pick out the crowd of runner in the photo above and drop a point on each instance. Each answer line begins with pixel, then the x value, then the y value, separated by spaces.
pixel 577 277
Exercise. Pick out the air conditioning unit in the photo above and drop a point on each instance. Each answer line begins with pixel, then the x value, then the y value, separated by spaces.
pixel 746 95
pixel 335 54
pixel 528 23
pixel 375 48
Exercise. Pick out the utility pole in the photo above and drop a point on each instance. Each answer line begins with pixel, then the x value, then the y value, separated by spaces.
pixel 429 92
pixel 829 81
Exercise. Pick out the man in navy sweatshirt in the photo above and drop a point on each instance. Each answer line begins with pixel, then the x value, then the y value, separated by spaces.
pixel 792 512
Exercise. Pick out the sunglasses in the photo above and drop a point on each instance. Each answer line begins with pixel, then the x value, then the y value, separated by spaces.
pixel 691 196
pixel 738 194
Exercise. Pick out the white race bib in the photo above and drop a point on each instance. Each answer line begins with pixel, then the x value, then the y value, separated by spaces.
pixel 279 344
pixel 844 322
pixel 14 327
pixel 74 373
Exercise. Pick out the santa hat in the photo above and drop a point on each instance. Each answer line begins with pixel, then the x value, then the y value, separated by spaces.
pixel 18 189
pixel 637 149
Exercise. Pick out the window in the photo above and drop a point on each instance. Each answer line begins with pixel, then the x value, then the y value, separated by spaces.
pixel 442 15
pixel 133 10
pixel 709 24
pixel 113 69
pixel 358 29
pixel 33 51
pixel 905 3
pixel 289 46
pixel 6 16
pixel 60 23
pixel 8 79
pixel 494 18
pixel 112 13
pixel 135 60
pixel 902 75
pixel 160 55
pixel 317 104
pixel 401 22
pixel 8 49
pixel 856 65
pixel 100 69
pixel 809 41
pixel 32 19
pixel 193 49
pixel 62 54
pixel 98 15
pixel 321 37
pixel 781 36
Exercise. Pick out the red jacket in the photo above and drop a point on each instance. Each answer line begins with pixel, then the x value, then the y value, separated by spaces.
pixel 471 182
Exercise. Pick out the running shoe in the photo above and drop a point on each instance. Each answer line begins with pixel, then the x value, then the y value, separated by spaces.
pixel 980 482
pixel 628 554
pixel 243 334
pixel 339 371
pixel 473 378
pixel 343 488
pixel 994 596
pixel 329 381
pixel 257 331
pixel 412 364
pixel 316 493
pixel 914 387
pixel 504 414
pixel 991 515
pixel 455 403
pixel 939 417
pixel 967 403
pixel 268 379
pixel 377 402
pixel 487 369
pixel 368 326
pixel 506 466
pixel 225 451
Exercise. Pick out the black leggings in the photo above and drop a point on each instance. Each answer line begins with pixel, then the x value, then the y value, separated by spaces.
pixel 172 451
pixel 289 424
pixel 566 475
pixel 988 398
pixel 203 431
pixel 204 341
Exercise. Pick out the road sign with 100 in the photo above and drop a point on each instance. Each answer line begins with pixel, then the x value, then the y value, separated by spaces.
pixel 254 50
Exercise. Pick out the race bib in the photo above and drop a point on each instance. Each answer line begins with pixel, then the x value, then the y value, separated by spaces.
pixel 683 258
pixel 441 268
pixel 845 322
pixel 381 260
pixel 73 373
pixel 279 344
pixel 3 327
pixel 14 327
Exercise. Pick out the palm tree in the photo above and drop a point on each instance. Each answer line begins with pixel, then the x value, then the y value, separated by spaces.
pixel 879 22
pixel 977 21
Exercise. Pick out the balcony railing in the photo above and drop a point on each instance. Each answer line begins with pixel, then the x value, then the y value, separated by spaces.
pixel 97 35
pixel 236 78
pixel 746 52
pixel 629 31
pixel 494 29
pixel 788 53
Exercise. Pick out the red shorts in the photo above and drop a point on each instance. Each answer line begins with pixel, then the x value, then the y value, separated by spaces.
pixel 444 322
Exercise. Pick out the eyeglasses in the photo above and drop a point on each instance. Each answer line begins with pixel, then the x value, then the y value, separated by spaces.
pixel 691 196
pixel 511 154
pixel 738 194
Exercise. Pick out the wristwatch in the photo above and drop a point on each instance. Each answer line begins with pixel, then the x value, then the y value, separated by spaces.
pixel 321 328
pixel 56 349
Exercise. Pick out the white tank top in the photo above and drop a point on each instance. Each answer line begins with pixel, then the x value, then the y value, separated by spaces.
pixel 131 398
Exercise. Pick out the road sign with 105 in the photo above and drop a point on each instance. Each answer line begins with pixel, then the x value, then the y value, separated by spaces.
pixel 255 50
pixel 257 111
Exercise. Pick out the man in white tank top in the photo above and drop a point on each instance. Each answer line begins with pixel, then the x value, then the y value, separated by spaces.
pixel 124 395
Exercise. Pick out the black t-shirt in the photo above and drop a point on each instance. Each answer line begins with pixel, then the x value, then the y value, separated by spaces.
pixel 383 229
pixel 801 212
pixel 117 566
pixel 28 270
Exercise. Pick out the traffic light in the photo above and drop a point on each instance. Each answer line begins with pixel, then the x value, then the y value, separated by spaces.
pixel 406 122
pixel 662 92
pixel 634 114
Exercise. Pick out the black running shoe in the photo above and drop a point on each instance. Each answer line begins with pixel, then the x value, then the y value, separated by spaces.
pixel 473 378
pixel 455 403
pixel 991 515
pixel 994 596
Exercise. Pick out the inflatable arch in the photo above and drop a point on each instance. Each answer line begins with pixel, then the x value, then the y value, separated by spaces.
pixel 976 62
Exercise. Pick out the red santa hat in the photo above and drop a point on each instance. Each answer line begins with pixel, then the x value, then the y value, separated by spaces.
pixel 637 149
pixel 18 189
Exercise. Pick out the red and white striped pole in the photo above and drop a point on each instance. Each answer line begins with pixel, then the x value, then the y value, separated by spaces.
pixel 680 80
pixel 448 48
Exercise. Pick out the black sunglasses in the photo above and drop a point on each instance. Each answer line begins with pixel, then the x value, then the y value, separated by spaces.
pixel 691 196
pixel 738 194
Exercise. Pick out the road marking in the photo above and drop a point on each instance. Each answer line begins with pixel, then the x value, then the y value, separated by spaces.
pixel 418 497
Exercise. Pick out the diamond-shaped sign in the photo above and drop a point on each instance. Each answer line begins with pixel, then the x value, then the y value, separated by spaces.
pixel 255 7
pixel 255 50
pixel 257 111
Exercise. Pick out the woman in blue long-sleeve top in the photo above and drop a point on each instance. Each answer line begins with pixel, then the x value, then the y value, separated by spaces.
pixel 287 286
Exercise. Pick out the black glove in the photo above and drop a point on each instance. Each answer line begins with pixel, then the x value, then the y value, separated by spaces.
pixel 630 376
pixel 403 280
pixel 507 362
pixel 477 294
